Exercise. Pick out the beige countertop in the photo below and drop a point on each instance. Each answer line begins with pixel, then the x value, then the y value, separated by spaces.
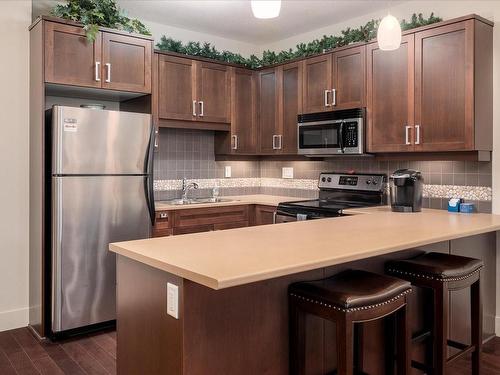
pixel 262 199
pixel 223 259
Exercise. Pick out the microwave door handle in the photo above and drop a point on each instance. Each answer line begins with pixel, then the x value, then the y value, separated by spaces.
pixel 341 137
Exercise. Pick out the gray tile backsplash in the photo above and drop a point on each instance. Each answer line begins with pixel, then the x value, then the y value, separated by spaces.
pixel 189 154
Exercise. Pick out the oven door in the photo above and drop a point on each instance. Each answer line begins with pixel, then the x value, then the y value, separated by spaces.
pixel 320 138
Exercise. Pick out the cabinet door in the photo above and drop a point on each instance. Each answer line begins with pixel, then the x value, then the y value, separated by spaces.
pixel 176 99
pixel 69 57
pixel 126 63
pixel 444 91
pixel 349 78
pixel 213 92
pixel 290 105
pixel 318 84
pixel 390 99
pixel 236 224
pixel 264 215
pixel 267 109
pixel 243 117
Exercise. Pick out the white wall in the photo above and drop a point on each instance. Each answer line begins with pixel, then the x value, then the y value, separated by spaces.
pixel 15 17
pixel 184 35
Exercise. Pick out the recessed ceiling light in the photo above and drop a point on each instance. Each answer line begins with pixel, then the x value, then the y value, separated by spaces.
pixel 389 33
pixel 266 9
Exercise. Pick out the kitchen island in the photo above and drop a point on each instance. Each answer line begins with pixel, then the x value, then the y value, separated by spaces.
pixel 232 285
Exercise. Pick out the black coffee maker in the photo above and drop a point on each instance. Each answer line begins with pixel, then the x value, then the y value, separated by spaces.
pixel 406 186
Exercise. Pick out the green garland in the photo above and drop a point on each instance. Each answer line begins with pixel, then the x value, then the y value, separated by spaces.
pixel 348 36
pixel 94 13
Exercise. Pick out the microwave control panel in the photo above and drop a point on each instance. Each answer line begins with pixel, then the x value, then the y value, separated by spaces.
pixel 351 134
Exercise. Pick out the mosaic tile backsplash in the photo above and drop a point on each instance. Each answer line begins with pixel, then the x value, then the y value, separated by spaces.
pixel 190 154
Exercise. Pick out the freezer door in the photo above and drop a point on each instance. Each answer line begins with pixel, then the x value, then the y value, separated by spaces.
pixel 88 213
pixel 90 141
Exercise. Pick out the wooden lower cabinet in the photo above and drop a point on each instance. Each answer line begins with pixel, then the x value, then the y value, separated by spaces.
pixel 264 215
pixel 197 220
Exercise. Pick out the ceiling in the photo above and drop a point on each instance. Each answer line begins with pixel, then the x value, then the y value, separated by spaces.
pixel 233 19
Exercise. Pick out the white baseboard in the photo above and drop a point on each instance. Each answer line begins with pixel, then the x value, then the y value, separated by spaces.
pixel 14 319
pixel 497 326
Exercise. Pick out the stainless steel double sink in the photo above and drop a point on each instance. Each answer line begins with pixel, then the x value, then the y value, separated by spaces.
pixel 181 202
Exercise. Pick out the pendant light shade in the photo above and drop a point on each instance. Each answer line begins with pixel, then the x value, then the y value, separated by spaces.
pixel 266 8
pixel 389 33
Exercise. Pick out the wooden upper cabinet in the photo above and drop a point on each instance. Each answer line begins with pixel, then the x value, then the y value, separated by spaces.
pixel 349 77
pixel 317 84
pixel 444 88
pixel 112 61
pixel 267 109
pixel 69 57
pixel 390 98
pixel 176 94
pixel 243 114
pixel 213 92
pixel 126 63
pixel 290 104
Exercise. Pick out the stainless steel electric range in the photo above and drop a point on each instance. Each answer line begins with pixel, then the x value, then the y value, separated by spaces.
pixel 337 192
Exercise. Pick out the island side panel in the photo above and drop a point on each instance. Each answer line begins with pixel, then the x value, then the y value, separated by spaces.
pixel 481 247
pixel 148 340
pixel 244 330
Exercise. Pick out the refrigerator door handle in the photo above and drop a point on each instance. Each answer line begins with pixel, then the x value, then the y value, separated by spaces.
pixel 149 180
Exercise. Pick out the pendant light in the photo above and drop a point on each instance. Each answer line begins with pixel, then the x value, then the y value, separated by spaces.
pixel 389 34
pixel 266 9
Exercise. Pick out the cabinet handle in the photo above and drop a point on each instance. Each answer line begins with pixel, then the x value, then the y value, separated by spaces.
pixel 334 97
pixel 326 98
pixel 108 67
pixel 156 138
pixel 407 135
pixel 201 108
pixel 417 135
pixel 194 107
pixel 277 145
pixel 97 69
pixel 235 142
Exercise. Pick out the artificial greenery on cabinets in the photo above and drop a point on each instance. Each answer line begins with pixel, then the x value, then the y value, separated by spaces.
pixel 327 42
pixel 94 13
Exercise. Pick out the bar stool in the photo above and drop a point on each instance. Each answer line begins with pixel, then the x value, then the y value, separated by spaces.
pixel 348 298
pixel 443 273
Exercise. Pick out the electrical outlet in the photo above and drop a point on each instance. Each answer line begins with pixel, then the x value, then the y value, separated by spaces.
pixel 227 171
pixel 173 300
pixel 287 172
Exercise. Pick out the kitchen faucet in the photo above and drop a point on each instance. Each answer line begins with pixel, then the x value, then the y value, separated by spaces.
pixel 186 187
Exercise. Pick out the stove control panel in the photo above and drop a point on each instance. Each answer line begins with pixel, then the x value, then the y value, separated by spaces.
pixel 365 182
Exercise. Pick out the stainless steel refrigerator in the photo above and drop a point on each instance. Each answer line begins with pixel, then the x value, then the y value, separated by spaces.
pixel 100 192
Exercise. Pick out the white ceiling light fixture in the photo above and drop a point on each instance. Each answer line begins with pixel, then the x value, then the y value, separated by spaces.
pixel 389 34
pixel 266 9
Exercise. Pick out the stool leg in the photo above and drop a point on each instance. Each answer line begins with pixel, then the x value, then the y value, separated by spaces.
pixel 297 342
pixel 345 346
pixel 389 334
pixel 476 326
pixel 403 340
pixel 440 329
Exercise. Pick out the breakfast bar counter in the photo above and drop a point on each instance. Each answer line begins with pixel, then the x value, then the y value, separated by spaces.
pixel 235 257
pixel 232 310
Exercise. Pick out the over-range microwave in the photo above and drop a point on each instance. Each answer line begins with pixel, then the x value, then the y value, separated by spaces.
pixel 331 133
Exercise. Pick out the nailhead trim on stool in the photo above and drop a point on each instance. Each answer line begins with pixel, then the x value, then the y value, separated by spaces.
pixel 354 308
pixel 443 279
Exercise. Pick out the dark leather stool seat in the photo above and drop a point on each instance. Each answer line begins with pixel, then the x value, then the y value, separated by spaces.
pixel 352 289
pixel 436 265
pixel 442 273
pixel 350 297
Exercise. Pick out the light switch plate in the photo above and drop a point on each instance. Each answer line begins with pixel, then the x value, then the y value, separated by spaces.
pixel 227 171
pixel 173 300
pixel 287 172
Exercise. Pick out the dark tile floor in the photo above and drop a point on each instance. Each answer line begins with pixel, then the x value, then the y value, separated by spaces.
pixel 21 353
